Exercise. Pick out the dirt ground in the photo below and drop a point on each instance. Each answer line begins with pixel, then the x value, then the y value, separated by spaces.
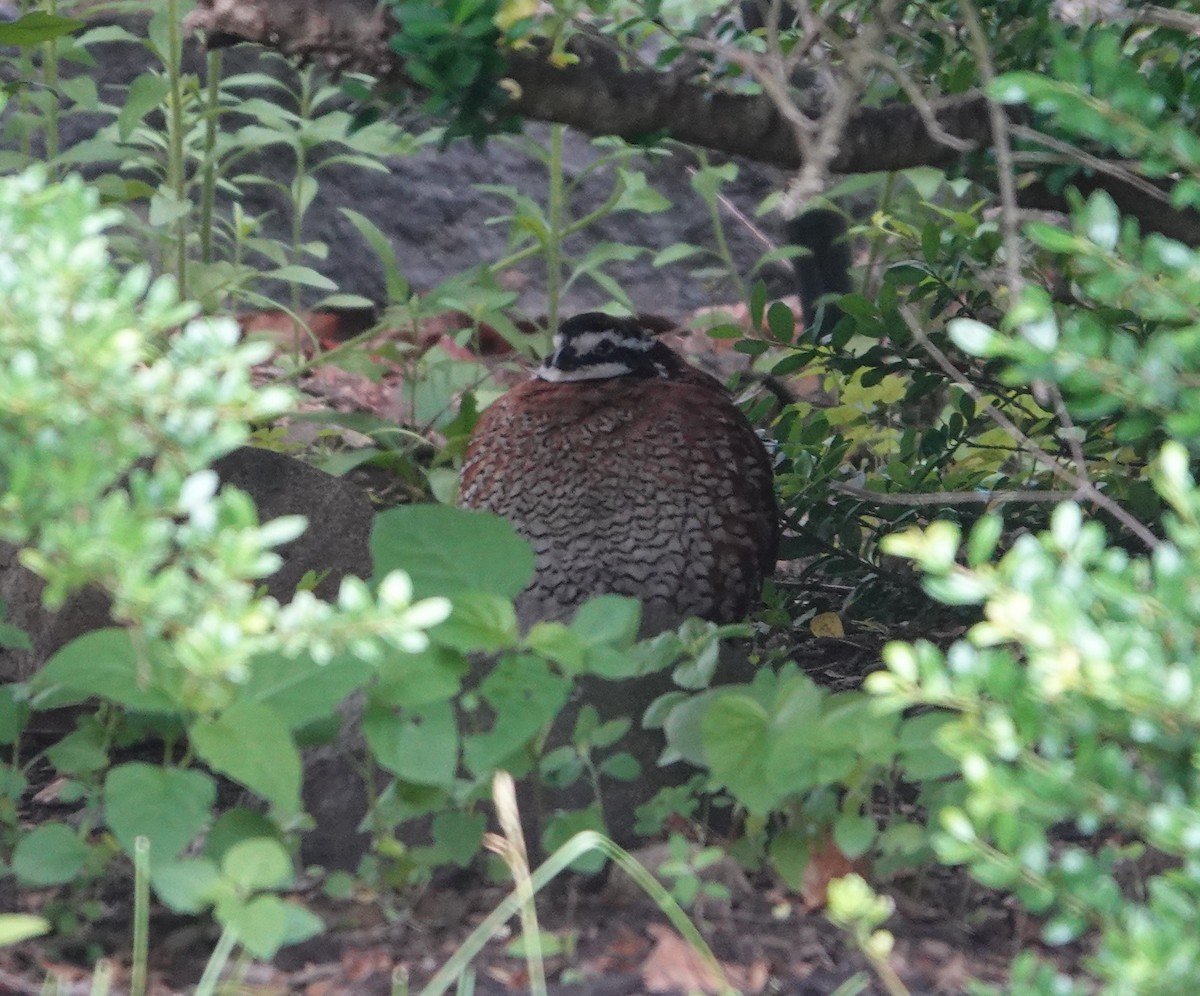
pixel 613 940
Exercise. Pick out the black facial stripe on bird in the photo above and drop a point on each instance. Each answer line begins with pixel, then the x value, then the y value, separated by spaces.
pixel 595 346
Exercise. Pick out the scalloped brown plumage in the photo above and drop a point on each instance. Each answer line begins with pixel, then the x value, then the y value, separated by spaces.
pixel 651 484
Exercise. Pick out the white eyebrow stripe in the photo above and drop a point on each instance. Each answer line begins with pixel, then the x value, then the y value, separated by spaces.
pixel 593 371
pixel 586 342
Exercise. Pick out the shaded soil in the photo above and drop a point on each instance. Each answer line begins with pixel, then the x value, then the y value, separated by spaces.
pixel 614 940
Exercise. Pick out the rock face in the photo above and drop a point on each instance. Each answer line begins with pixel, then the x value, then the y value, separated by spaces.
pixel 428 203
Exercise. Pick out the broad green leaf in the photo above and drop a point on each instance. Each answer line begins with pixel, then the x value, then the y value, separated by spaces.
pixel 478 623
pixel 447 551
pixel 250 743
pixel 37 27
pixel 186 885
pixel 257 863
pixel 233 827
pixel 145 93
pixel 608 619
pixel 260 925
pixel 81 751
pixel 735 734
pixel 524 695
pixel 102 663
pixel 299 689
pixel 13 714
pixel 170 806
pixel 418 745
pixel 51 854
pixel 414 680
pixel 854 833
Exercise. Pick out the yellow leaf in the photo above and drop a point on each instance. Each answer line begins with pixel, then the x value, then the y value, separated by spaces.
pixel 512 11
pixel 827 624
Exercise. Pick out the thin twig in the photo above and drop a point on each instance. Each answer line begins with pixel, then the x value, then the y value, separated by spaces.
pixel 1006 173
pixel 981 497
pixel 1074 154
pixel 1087 491
pixel 1070 433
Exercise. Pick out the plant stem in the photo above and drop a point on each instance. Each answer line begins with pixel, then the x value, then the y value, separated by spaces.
pixel 50 78
pixel 554 238
pixel 573 849
pixel 216 962
pixel 141 916
pixel 298 200
pixel 208 183
pixel 175 172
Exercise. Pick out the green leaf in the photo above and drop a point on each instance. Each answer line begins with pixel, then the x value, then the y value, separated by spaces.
pixel 790 852
pixel 299 689
pixel 102 663
pixel 781 321
pixel 735 734
pixel 170 806
pixel 854 834
pixel 186 885
pixel 37 27
pixel 674 253
pixel 1102 220
pixel 414 680
pixel 417 745
pixel 608 619
pixel 257 863
pixel 261 925
pixel 145 93
pixel 81 751
pixel 447 551
pixel 637 195
pixel 18 927
pixel 524 695
pixel 478 623
pixel 984 537
pixel 305 276
pixel 13 714
pixel 52 854
pixel 250 743
pixel 236 825
pixel 974 337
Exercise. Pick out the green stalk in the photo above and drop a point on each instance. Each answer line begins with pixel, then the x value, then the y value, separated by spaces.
pixel 217 962
pixel 141 916
pixel 576 847
pixel 175 171
pixel 208 181
pixel 304 110
pixel 554 237
pixel 102 976
pixel 50 78
pixel 722 244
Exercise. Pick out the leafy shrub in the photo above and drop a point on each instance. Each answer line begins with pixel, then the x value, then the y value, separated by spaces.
pixel 1074 698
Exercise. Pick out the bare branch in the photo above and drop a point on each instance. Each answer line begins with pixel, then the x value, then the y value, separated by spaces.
pixel 940 498
pixel 1085 489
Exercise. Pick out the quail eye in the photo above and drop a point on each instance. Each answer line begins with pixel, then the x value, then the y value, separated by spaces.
pixel 604 347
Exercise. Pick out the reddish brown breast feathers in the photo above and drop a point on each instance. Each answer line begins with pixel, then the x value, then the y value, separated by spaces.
pixel 654 487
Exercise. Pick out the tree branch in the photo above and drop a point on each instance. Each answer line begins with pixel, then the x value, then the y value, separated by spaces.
pixel 600 96
pixel 597 95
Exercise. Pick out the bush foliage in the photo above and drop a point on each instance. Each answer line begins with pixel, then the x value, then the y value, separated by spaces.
pixel 993 364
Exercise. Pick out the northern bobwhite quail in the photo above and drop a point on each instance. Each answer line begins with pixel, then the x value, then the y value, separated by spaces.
pixel 630 472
